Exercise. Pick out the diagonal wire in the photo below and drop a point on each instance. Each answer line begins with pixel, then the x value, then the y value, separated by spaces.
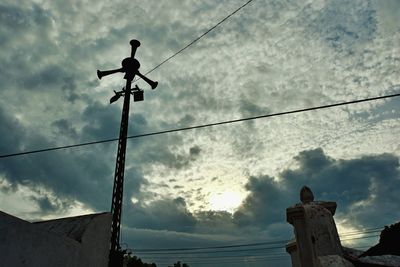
pixel 204 125
pixel 197 39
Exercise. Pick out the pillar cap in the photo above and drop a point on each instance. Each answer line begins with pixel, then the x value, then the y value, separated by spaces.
pixel 306 195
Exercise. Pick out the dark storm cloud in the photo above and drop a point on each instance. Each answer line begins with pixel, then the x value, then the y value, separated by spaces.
pixel 47 75
pixel 215 222
pixel 173 215
pixel 370 180
pixel 28 65
pixel 364 189
pixel 71 176
pixel 144 238
pixel 101 121
pixel 134 182
pixel 43 57
pixel 11 132
pixel 16 18
pixel 39 64
pixel 36 62
pixel 165 214
pixel 265 204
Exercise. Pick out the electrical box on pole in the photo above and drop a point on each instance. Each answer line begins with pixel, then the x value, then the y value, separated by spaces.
pixel 130 66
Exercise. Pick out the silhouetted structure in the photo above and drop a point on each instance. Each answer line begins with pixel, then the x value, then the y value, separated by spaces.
pixel 317 242
pixel 80 241
pixel 130 66
pixel 389 242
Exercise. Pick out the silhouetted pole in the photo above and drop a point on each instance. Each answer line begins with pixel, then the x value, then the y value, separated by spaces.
pixel 118 189
pixel 130 66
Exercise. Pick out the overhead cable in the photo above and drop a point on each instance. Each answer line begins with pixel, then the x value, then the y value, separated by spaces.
pixel 203 125
pixel 197 39
pixel 235 250
pixel 344 234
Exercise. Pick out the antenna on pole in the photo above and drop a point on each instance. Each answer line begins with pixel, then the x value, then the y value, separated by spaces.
pixel 130 66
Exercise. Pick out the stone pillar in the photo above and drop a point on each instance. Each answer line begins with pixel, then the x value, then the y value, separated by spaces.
pixel 291 248
pixel 317 239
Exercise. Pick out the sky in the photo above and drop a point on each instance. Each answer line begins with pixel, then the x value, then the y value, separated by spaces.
pixel 221 185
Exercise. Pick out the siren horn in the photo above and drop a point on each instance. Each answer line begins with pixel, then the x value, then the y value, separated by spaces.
pixel 153 84
pixel 101 74
pixel 135 44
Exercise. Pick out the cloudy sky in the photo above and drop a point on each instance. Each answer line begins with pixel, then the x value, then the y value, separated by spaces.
pixel 214 186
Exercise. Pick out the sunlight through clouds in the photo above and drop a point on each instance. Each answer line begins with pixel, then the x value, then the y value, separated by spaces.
pixel 225 201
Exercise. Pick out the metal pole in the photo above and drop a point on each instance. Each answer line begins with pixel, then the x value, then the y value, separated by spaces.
pixel 130 66
pixel 116 204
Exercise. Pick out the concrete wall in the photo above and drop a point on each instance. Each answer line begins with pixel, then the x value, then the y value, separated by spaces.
pixel 317 242
pixel 69 242
pixel 291 248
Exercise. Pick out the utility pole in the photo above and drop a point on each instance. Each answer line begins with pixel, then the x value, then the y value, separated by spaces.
pixel 130 66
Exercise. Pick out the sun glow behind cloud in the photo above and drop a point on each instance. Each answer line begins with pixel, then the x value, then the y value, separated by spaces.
pixel 226 201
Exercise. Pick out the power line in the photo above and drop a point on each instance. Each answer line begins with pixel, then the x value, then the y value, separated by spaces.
pixel 215 261
pixel 345 234
pixel 212 256
pixel 233 260
pixel 361 237
pixel 58 148
pixel 202 126
pixel 197 39
pixel 220 258
pixel 213 251
pixel 154 68
pixel 364 232
pixel 218 262
pixel 230 251
pixel 214 247
pixel 233 250
pixel 193 257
